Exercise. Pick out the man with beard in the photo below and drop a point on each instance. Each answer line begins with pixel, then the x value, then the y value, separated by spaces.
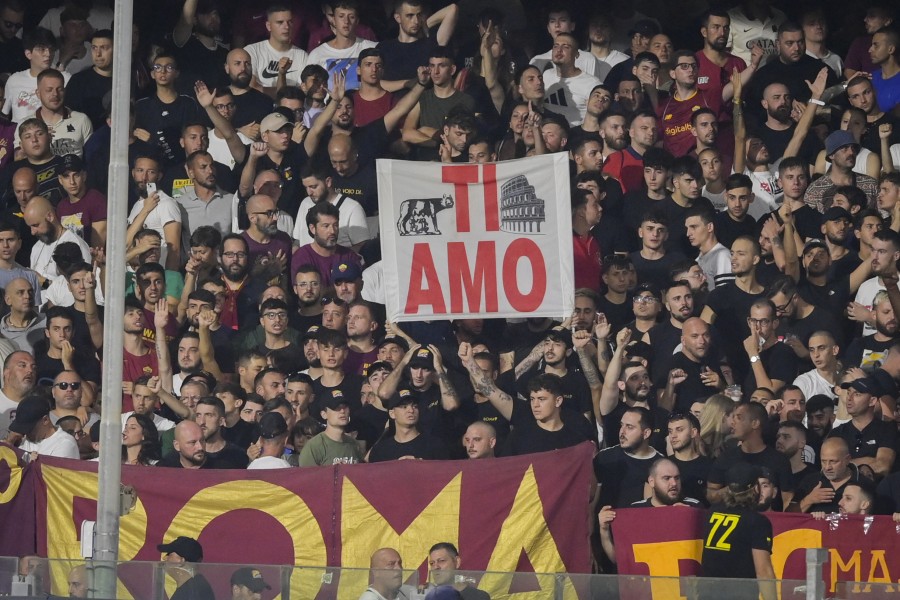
pixel 241 291
pixel 872 442
pixel 18 380
pixel 156 211
pixel 188 357
pixel 353 230
pixel 820 418
pixel 790 441
pixel 778 129
pixel 190 449
pixel 622 470
pixel 841 149
pixel 265 243
pixel 772 364
pixel 869 351
pixel 691 375
pixel 798 318
pixel 665 484
pixel 361 328
pixel 250 105
pixel 885 253
pixel 665 336
pixel 139 359
pixel 209 414
pixel 729 305
pixel 613 126
pixel 196 38
pixel 203 201
pixel 308 288
pixel 820 491
pixel 276 57
pixel 837 223
pixel 627 384
pixel 684 439
pixel 323 252
pixel 691 272
pixel 715 64
pixel 458 128
pixel 41 218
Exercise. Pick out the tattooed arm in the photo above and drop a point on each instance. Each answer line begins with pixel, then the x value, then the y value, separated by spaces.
pixel 483 383
pixel 449 397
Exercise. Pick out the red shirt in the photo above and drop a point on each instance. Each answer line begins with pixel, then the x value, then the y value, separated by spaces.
pixel 628 167
pixel 366 111
pixel 134 367
pixel 675 120
pixel 711 78
pixel 588 266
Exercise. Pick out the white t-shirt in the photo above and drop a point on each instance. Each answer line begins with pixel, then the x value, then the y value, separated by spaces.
pixel 373 283
pixel 811 383
pixel 42 254
pixel 584 61
pixel 718 200
pixel 745 33
pixel 602 66
pixel 767 192
pixel 68 136
pixel 717 265
pixel 568 96
pixel 352 225
pixel 264 59
pixel 7 414
pixel 165 212
pixel 345 59
pixel 59 294
pixel 218 148
pixel 269 462
pixel 61 444
pixel 866 296
pixel 832 60
pixel 21 95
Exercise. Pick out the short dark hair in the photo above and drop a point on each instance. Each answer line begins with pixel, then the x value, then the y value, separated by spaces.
pixel 320 209
pixel 39 37
pixel 59 312
pixel 738 180
pixel 450 548
pixel 657 158
pixel 205 236
pixel 105 34
pixel 214 402
pixel 229 237
pixel 546 381
pixel 646 57
pixel 687 165
pixel 331 337
pixel 701 111
pixel 646 419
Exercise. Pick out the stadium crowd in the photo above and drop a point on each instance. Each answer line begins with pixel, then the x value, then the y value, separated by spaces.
pixel 735 218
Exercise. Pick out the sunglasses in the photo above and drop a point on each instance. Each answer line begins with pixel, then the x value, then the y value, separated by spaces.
pixel 12 25
pixel 64 385
pixel 326 300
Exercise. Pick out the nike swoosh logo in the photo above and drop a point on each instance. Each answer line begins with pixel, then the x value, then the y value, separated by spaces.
pixel 746 30
pixel 269 73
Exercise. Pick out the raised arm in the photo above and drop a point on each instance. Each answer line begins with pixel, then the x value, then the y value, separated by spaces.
pixel 394 116
pixel 205 98
pixel 389 386
pixel 185 25
pixel 482 383
pixel 449 397
pixel 816 88
pixel 489 67
pixel 740 129
pixel 884 136
pixel 160 320
pixel 205 319
pixel 581 339
pixel 610 395
pixel 446 18
pixel 92 312
pixel 314 135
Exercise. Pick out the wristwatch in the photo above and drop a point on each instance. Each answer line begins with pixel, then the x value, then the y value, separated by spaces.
pixel 754 359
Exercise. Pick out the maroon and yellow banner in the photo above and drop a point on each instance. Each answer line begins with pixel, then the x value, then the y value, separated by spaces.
pixel 500 513
pixel 667 542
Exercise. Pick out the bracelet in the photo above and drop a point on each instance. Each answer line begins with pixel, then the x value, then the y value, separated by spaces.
pixel 814 101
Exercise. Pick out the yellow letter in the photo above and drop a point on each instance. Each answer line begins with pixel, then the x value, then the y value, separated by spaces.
pixel 838 564
pixel 15 474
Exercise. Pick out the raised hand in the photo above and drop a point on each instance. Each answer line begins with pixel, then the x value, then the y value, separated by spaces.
pixel 204 95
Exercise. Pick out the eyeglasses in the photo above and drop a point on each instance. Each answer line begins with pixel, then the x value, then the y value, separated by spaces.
pixel 16 25
pixel 687 66
pixel 166 68
pixel 308 284
pixel 77 434
pixel 268 213
pixel 238 255
pixel 784 306
pixel 64 385
pixel 229 106
pixel 273 316
pixel 644 300
pixel 760 322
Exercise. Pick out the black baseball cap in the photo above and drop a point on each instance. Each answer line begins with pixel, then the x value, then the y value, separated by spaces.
pixel 186 547
pixel 250 578
pixel 29 413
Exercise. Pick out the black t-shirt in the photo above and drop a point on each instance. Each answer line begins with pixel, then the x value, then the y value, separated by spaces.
pixel 636 205
pixel 195 588
pixel 371 142
pixel 665 340
pixel 231 455
pixel 197 61
pixel 780 363
pixel 612 422
pixel 523 418
pixel 81 334
pixel 621 476
pixel 888 500
pixel 777 464
pixel 371 422
pixel 767 272
pixel 422 446
pixel 728 230
pixel 777 142
pixel 165 121
pixel 402 60
pixel 526 439
pixel 85 92
pixel 242 435
pixel 655 272
pixel 47 175
pixel 867 352
pixel 691 389
pixel 865 444
pixel 486 412
pixel 292 191
pixel 251 107
pixel 86 365
pixel 730 535
pixel 350 389
pixel 648 503
pixel 844 266
pixel 820 319
pixel 612 236
pixel 576 391
pixel 832 296
pixel 616 314
pixel 732 307
pixel 12 56
pixel 362 186
pixel 173 461
pixel 676 214
pixel 693 476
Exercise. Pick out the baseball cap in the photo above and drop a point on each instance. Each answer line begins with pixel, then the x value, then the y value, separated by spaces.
pixel 250 578
pixel 71 162
pixel 394 339
pixel 837 140
pixel 422 359
pixel 647 287
pixel 559 334
pixel 645 27
pixel 186 547
pixel 335 400
pixel 864 384
pixel 836 213
pixel 378 365
pixel 312 333
pixel 29 412
pixel 404 395
pixel 273 122
pixel 345 271
pixel 814 243
pixel 272 425
pixel 743 475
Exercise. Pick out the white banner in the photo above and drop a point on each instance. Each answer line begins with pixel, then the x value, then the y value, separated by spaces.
pixel 476 241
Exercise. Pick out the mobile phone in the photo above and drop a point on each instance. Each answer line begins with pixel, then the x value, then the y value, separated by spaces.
pixel 151 189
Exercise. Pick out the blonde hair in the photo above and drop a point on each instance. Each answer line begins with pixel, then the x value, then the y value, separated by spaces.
pixel 712 430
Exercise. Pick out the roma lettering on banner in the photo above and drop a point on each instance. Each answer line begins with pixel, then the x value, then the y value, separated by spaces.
pixel 464 240
pixel 17 526
pixel 498 512
pixel 666 542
